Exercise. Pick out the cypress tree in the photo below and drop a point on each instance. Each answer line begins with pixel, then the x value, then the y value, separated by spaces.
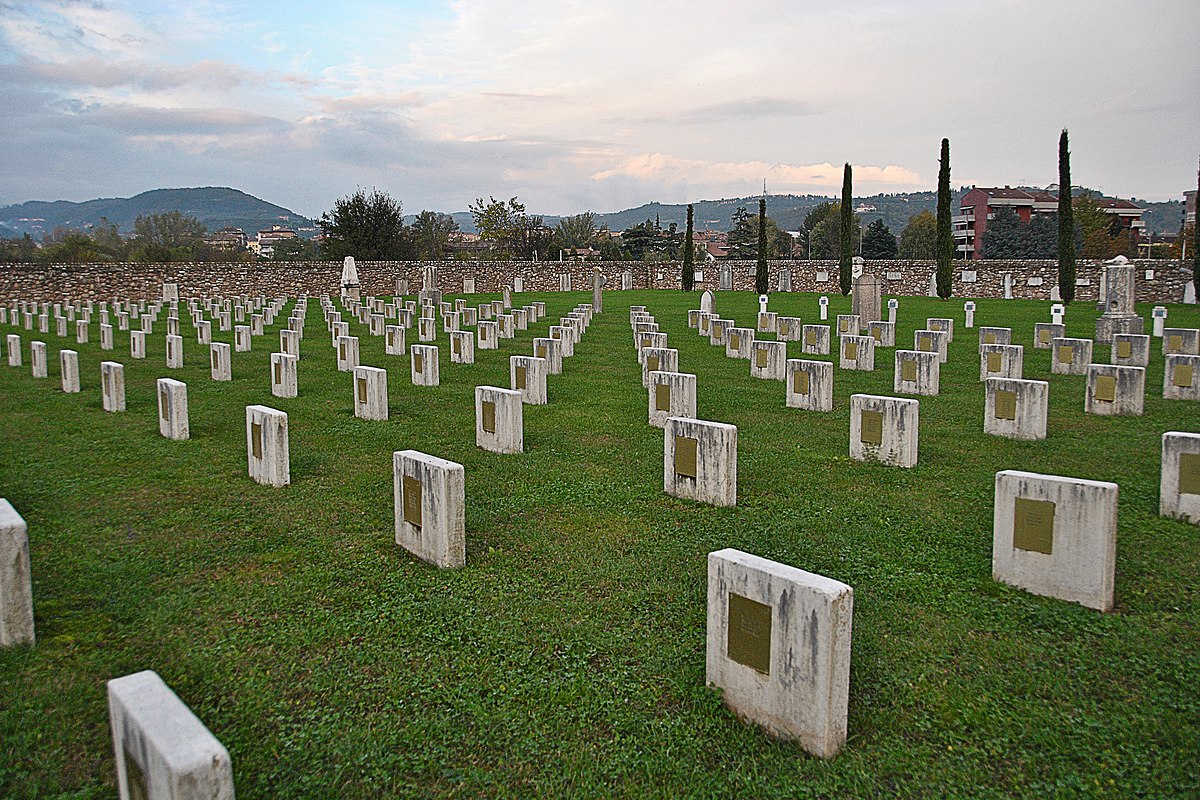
pixel 945 237
pixel 689 249
pixel 1066 224
pixel 760 271
pixel 847 232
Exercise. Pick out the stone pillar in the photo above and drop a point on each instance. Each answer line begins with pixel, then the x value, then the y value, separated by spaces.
pixel 499 420
pixel 173 409
pixel 430 508
pixel 16 586
pixel 1118 296
pixel 598 282
pixel 917 372
pixel 267 446
pixel 893 306
pixel 700 461
pixel 884 429
pixel 1015 408
pixel 349 285
pixel 527 375
pixel 112 386
pixel 823 306
pixel 425 370
pixel 283 375
pixel 866 299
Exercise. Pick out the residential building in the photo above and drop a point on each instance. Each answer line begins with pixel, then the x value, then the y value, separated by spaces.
pixel 264 247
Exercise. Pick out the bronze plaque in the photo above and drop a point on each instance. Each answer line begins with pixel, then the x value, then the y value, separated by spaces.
pixel 870 428
pixel 541 351
pixel 926 344
pixel 169 348
pixel 278 372
pixel 800 382
pixel 908 370
pixel 362 391
pixel 1189 473
pixel 735 341
pixel 342 350
pixel 162 404
pixel 842 325
pixel 489 416
pixel 704 324
pixel 989 338
pixel 1106 389
pixel 1124 349
pixel 555 334
pixel 410 492
pixel 1183 376
pixel 457 345
pixel 646 342
pixel 662 397
pixel 685 456
pixel 1006 404
pixel 760 358
pixel 1174 343
pixel 1044 336
pixel 878 334
pixel 256 439
pixel 1066 354
pixel 214 360
pixel 810 338
pixel 418 362
pixel 783 328
pixel 135 779
pixel 652 363
pixel 749 639
pixel 1033 525
pixel 521 380
pixel 852 351
pixel 994 362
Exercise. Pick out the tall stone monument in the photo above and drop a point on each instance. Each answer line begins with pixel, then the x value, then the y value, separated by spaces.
pixel 350 285
pixel 1118 296
pixel 598 281
pixel 866 300
pixel 429 294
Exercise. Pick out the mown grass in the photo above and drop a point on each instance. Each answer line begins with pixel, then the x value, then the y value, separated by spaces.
pixel 567 658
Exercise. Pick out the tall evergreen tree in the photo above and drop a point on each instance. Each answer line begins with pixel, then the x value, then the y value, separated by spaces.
pixel 1066 224
pixel 847 232
pixel 945 237
pixel 689 251
pixel 760 270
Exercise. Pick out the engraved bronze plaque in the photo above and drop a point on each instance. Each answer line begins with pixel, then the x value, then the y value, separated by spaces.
pixel 645 342
pixel 651 363
pixel 1106 389
pixel 994 361
pixel 135 779
pixel 457 345
pixel 1044 336
pixel 1066 354
pixel 214 360
pixel 410 492
pixel 1189 473
pixel 256 439
pixel 418 362
pixel 800 382
pixel 878 334
pixel 870 428
pixel 685 456
pixel 749 633
pixel 169 349
pixel 278 372
pixel 852 351
pixel 1124 349
pixel 735 341
pixel 362 391
pixel 521 380
pixel 1033 525
pixel 162 404
pixel 662 397
pixel 926 344
pixel 489 416
pixel 810 338
pixel 1006 404
pixel 989 338
pixel 704 324
pixel 842 325
pixel 541 351
pixel 555 335
pixel 783 328
pixel 1174 343
pixel 908 370
pixel 1182 376
pixel 760 358
pixel 342 351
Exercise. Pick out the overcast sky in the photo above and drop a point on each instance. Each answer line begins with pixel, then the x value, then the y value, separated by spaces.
pixel 594 105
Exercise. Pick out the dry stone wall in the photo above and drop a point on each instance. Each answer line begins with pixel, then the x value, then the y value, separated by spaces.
pixel 1157 281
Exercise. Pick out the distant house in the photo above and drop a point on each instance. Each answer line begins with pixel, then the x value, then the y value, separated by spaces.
pixel 981 204
pixel 230 239
pixel 1189 208
pixel 264 247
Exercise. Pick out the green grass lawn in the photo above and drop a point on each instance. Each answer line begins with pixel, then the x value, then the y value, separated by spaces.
pixel 567 658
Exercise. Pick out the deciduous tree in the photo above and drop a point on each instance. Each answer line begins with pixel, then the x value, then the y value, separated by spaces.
pixel 429 233
pixel 369 227
pixel 918 240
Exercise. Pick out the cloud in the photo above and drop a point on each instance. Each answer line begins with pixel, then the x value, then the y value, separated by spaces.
pixel 780 177
pixel 740 109
pixel 96 73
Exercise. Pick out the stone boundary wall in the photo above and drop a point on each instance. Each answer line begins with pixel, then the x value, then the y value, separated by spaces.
pixel 1158 281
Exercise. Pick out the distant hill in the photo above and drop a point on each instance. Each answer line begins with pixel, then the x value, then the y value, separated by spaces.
pixel 216 207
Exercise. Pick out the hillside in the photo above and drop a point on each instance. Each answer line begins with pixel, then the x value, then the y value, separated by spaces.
pixel 216 207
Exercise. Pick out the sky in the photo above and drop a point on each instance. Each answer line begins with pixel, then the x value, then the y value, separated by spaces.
pixel 597 105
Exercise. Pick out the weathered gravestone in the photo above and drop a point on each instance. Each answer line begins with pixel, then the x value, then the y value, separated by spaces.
pixel 267 451
pixel 283 375
pixel 1181 377
pixel 68 364
pixel 499 420
pixel 700 461
pixel 430 508
pixel 1118 297
pixel 768 360
pixel 1070 356
pixel 173 409
pixel 1115 391
pixel 884 429
pixel 112 386
pixel 527 375
pixel 1001 361
pixel 16 586
pixel 370 393
pixel 671 394
pixel 866 299
pixel 1016 408
pixel 1179 488
pixel 808 385
pixel 424 368
pixel 1130 349
pixel 37 360
pixel 917 372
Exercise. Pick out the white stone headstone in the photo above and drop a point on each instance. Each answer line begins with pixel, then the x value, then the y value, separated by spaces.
pixel 762 303
pixel 707 302
pixel 16 586
pixel 430 508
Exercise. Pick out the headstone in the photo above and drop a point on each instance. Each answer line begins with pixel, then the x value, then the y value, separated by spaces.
pixel 1001 361
pixel 13 345
pixel 1115 391
pixel 700 461
pixel 566 335
pixel 1181 341
pixel 203 332
pixel 241 339
pixel 866 299
pixel 347 353
pixel 739 342
pixel 488 332
pixel 564 282
pixel 725 277
pixel 393 340
pixel 424 368
pixel 932 291
pixel 718 331
pixel 1070 356
pixel 884 429
pixel 672 394
pixel 816 340
pixel 785 280
pixel 768 360
pixel 106 337
pixel 37 359
pixel 1008 286
pixel 289 342
pixel 1055 536
pixel 499 420
pixel 598 282
pixel 518 284
pixel 994 336
pixel 808 384
pixel 462 347
pixel 707 302
pixel 1016 408
pixel 931 341
pixel 112 386
pixel 823 305
pixel 430 508
pixel 1181 377
pixel 16 585
pixel 506 298
pixel 68 363
pixel 81 331
pixel 550 350
pixel 283 375
pixel 1130 349
pixel 1044 333
pixel 884 333
pixel 1159 315
pixel 267 446
pixel 162 750
pixel 137 344
pixel 173 409
pixel 917 372
pixel 1179 487
pixel 627 280
pixel 1057 311
pixel 370 393
pixel 768 322
pixel 1055 292
pixel 943 324
pixel 220 362
pixel 1118 295
pixel 506 326
pixel 969 311
pixel 778 648
pixel 658 359
pixel 527 375
pixel 856 353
